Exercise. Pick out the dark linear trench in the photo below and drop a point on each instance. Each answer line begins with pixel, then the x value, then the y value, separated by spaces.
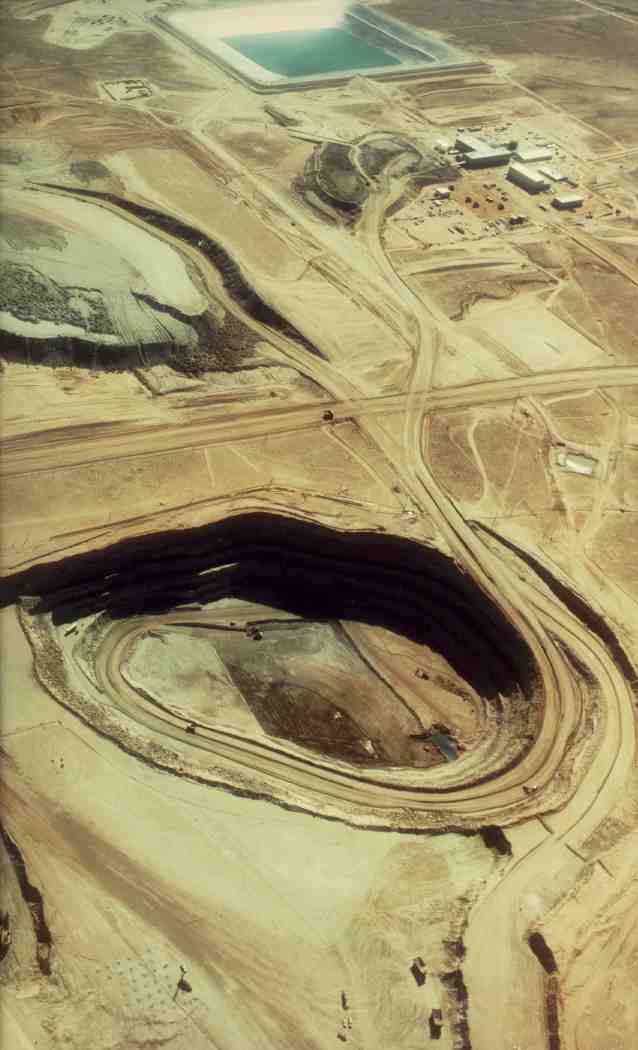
pixel 457 989
pixel 576 605
pixel 33 899
pixel 233 280
pixel 545 956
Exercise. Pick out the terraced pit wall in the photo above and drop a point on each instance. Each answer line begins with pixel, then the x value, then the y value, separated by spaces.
pixel 307 569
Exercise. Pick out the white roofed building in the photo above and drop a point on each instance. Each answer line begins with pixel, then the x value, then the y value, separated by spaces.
pixel 467 143
pixel 567 201
pixel 487 157
pixel 532 154
pixel 553 174
pixel 528 178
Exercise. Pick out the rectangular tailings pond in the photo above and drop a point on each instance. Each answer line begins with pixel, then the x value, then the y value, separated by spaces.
pixel 310 53
pixel 292 44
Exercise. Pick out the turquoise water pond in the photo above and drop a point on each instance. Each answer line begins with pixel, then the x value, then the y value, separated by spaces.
pixel 445 745
pixel 312 52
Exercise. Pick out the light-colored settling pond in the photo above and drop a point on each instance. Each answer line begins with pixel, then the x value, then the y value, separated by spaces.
pixel 289 44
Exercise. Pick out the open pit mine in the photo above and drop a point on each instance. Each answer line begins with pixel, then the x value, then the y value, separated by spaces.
pixel 319 485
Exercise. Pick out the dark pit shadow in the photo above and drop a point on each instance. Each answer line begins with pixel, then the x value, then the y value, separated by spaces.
pixel 303 569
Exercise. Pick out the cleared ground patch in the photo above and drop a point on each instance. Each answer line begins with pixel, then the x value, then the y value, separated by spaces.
pixel 583 63
pixel 444 16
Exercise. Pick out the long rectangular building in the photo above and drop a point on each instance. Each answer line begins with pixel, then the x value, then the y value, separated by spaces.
pixel 527 178
pixel 467 143
pixel 567 201
pixel 532 154
pixel 487 157
pixel 553 174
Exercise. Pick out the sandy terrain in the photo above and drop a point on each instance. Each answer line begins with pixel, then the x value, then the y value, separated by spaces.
pixel 319 560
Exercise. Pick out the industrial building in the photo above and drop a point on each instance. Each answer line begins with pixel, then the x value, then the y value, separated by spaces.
pixel 577 463
pixel 532 154
pixel 487 156
pixel 527 178
pixel 568 201
pixel 553 174
pixel 478 153
pixel 466 143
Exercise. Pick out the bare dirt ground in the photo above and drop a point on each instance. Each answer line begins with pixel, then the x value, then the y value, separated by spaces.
pixel 320 488
pixel 573 56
